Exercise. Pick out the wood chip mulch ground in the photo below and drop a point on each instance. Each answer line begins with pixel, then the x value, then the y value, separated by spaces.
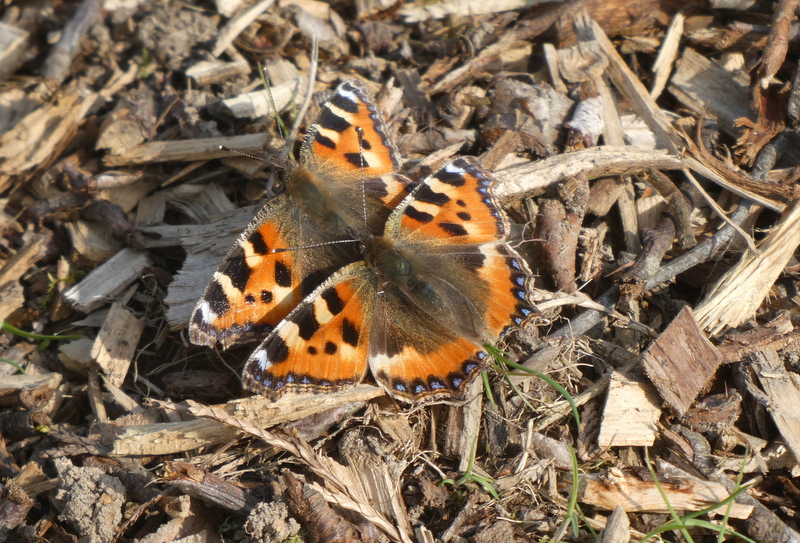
pixel 646 153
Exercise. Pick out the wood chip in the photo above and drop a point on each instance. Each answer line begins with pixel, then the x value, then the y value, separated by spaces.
pixel 116 343
pixel 188 150
pixel 422 11
pixel 630 415
pixel 13 45
pixel 782 390
pixel 681 362
pixel 634 494
pixel 738 294
pixel 175 437
pixel 107 280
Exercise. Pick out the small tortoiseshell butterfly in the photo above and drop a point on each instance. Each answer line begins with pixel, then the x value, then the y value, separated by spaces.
pixel 346 175
pixel 436 284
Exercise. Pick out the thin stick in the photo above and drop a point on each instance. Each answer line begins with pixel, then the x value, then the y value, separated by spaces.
pixel 312 76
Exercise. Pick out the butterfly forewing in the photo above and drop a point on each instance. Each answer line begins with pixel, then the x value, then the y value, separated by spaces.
pixel 349 137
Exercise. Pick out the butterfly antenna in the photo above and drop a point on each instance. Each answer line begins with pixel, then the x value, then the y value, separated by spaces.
pixel 248 155
pixel 360 133
pixel 312 76
pixel 314 245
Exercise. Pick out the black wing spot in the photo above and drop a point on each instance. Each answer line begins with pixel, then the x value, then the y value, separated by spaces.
pixel 324 141
pixel 334 302
pixel 266 297
pixel 312 350
pixel 238 272
pixel 453 229
pixel 461 203
pixel 453 179
pixel 277 350
pixel 429 196
pixel 307 324
pixel 330 348
pixel 349 333
pixel 419 216
pixel 330 121
pixel 217 299
pixel 464 216
pixel 258 243
pixel 356 159
pixel 250 299
pixel 344 103
pixel 283 276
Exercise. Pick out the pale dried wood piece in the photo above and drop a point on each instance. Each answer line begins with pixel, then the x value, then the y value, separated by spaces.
pixel 188 150
pixel 628 84
pixel 201 203
pixel 782 389
pixel 175 437
pixel 91 241
pixel 151 210
pixel 257 103
pixel 28 391
pixel 617 528
pixel 465 425
pixel 13 42
pixel 237 25
pixel 707 88
pixel 116 343
pixel 737 295
pixel 630 414
pixel 125 401
pixel 624 488
pixel 551 59
pixel 38 138
pixel 14 268
pixel 106 281
pixel 605 161
pixel 681 362
pixel 205 247
pixel 369 7
pixel 422 11
pixel 594 162
pixel 95 396
pixel 209 72
pixel 228 7
pixel 76 355
pixel 57 66
pixel 376 473
pixel 662 66
pixel 127 197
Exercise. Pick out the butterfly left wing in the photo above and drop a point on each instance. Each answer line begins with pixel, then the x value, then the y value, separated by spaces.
pixel 322 344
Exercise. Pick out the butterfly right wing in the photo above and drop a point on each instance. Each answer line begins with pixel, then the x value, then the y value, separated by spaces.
pixel 255 288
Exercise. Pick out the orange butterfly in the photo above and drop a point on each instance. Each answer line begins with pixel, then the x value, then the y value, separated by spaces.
pixel 436 284
pixel 346 176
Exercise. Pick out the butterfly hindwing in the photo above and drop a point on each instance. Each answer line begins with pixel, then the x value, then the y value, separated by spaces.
pixel 322 344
